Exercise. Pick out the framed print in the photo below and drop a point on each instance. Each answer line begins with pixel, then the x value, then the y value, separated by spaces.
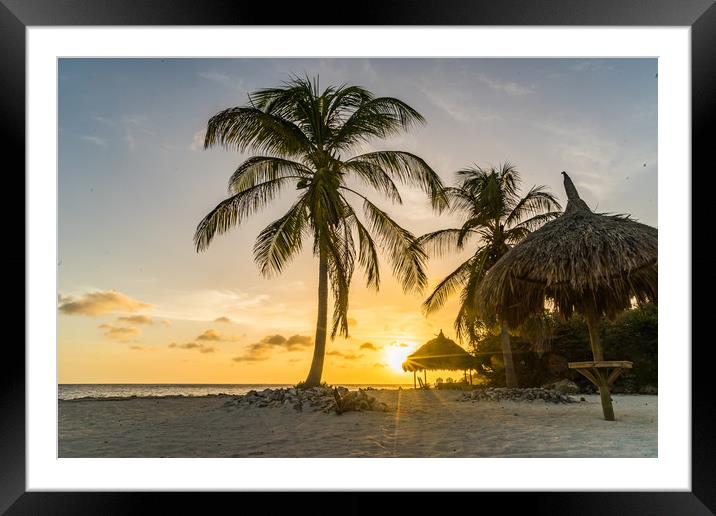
pixel 434 266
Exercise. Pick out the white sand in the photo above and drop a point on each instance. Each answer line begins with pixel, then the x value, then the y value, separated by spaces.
pixel 424 424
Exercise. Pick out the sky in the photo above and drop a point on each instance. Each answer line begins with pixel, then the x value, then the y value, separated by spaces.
pixel 138 304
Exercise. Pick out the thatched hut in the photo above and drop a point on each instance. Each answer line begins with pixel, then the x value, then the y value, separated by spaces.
pixel 439 353
pixel 591 263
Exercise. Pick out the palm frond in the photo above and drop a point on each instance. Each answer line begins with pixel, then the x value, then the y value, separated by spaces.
pixel 538 200
pixel 259 169
pixel 367 256
pixel 537 221
pixel 281 240
pixel 250 128
pixel 374 176
pixel 410 170
pixel 374 118
pixel 233 210
pixel 442 242
pixel 404 251
pixel 446 287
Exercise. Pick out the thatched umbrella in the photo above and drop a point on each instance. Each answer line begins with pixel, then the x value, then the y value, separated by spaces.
pixel 587 262
pixel 439 353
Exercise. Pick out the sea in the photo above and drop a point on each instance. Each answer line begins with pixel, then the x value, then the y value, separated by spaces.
pixel 69 391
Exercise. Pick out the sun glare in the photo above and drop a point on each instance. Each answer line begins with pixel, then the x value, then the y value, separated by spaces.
pixel 395 355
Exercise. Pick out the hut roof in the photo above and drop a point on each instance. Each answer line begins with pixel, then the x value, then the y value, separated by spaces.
pixel 439 353
pixel 581 259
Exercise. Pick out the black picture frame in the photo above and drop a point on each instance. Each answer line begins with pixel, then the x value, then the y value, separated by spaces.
pixel 700 15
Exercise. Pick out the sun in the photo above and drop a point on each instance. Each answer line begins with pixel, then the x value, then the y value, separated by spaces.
pixel 395 355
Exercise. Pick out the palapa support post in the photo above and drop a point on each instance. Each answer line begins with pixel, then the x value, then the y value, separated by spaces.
pixel 415 381
pixel 598 373
pixel 592 317
pixel 425 376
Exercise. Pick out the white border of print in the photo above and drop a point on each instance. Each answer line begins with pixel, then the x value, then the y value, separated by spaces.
pixel 671 470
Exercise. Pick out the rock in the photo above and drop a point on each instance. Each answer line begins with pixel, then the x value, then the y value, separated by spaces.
pixel 563 386
pixel 524 395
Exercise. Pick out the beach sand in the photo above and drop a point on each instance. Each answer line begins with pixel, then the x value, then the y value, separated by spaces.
pixel 423 424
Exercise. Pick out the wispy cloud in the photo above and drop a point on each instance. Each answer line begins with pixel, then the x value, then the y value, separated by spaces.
pixel 370 346
pixel 100 302
pixel 119 332
pixel 457 105
pixel 256 310
pixel 509 87
pixel 94 139
pixel 200 347
pixel 346 355
pixel 223 319
pixel 136 319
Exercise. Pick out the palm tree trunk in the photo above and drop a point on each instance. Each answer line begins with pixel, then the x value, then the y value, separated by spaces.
pixel 510 377
pixel 319 348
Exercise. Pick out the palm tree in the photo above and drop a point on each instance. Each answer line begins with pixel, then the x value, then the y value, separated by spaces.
pixel 494 213
pixel 301 136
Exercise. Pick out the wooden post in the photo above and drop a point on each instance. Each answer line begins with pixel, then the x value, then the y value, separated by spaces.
pixel 415 383
pixel 425 376
pixel 593 324
pixel 470 376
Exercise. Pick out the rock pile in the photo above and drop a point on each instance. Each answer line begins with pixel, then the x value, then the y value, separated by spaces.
pixel 507 394
pixel 338 400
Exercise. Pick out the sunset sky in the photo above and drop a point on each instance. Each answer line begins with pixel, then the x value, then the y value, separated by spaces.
pixel 138 304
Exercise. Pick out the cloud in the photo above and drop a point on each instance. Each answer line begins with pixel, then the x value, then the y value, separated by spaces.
pixel 298 341
pixel 100 302
pixel 197 142
pixel 202 348
pixel 213 335
pixel 509 87
pixel 136 319
pixel 370 346
pixel 345 355
pixel 249 358
pixel 210 335
pixel 223 319
pixel 166 322
pixel 136 348
pixel 352 322
pixel 119 332
pixel 378 365
pixel 262 349
pixel 94 139
pixel 457 105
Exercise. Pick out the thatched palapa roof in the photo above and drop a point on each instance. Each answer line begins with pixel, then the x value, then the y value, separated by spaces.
pixel 439 353
pixel 581 261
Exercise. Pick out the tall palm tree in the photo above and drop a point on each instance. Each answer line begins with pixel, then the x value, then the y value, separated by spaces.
pixel 301 136
pixel 498 217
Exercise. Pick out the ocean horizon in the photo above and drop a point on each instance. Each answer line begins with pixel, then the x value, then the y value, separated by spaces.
pixel 70 391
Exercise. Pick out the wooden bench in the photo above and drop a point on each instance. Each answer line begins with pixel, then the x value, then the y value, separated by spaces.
pixel 598 372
